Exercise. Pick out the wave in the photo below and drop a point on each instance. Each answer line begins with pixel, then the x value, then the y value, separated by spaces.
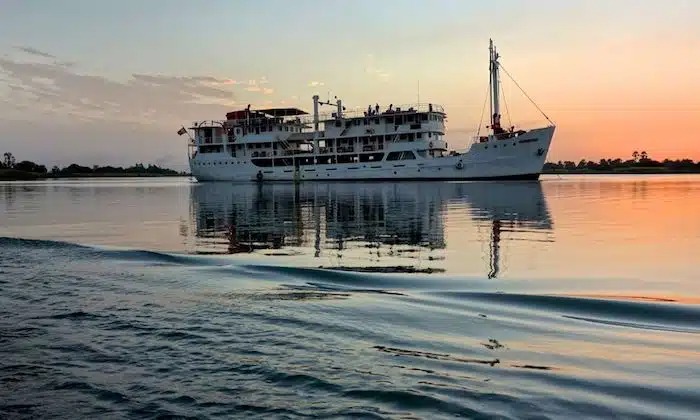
pixel 309 341
pixel 137 255
pixel 667 316
pixel 650 314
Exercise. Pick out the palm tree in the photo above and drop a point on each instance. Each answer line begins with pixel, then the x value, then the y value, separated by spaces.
pixel 8 160
pixel 644 155
pixel 635 155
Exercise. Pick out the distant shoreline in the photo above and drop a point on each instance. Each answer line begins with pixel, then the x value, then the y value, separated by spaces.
pixel 620 171
pixel 15 175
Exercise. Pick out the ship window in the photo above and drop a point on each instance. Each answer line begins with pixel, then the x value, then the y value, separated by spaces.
pixel 422 153
pixel 419 135
pixel 405 155
pixel 371 157
pixel 262 162
pixel 283 162
pixel 424 117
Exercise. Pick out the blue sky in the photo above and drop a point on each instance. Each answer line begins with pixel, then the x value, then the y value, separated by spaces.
pixel 128 71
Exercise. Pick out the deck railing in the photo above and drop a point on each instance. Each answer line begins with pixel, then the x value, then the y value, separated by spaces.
pixel 307 120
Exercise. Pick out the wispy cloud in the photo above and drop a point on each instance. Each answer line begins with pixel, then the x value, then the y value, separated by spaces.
pixel 56 89
pixel 315 83
pixel 34 51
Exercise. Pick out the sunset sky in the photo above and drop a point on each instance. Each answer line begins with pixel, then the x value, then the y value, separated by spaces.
pixel 98 82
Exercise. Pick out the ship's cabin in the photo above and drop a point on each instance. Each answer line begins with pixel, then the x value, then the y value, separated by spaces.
pixel 277 136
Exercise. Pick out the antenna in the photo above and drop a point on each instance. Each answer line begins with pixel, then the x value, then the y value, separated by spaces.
pixel 419 91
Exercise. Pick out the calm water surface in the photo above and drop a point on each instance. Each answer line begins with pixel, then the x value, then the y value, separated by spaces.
pixel 568 297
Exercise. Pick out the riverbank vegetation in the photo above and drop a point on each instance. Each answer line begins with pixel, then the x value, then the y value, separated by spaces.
pixel 639 163
pixel 25 170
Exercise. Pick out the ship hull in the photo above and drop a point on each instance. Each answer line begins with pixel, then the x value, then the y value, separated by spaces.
pixel 519 158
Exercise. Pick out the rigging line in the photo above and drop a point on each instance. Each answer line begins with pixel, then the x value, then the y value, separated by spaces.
pixel 483 109
pixel 526 95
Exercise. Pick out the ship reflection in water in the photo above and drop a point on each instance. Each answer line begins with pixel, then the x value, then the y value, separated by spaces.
pixel 404 227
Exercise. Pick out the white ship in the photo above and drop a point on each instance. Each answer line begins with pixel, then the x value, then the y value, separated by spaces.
pixel 393 144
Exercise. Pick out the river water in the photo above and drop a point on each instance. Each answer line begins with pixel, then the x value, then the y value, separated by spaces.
pixel 574 296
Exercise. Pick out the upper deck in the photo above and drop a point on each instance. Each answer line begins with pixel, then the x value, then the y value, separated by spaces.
pixel 296 125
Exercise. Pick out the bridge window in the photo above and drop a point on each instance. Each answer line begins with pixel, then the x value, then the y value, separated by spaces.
pixel 405 155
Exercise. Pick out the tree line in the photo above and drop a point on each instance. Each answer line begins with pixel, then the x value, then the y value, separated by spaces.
pixel 640 162
pixel 9 162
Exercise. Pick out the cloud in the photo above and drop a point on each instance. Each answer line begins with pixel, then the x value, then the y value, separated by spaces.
pixel 56 89
pixel 315 83
pixel 34 51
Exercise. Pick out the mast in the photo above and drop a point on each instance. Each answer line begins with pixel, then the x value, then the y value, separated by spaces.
pixel 493 81
pixel 316 123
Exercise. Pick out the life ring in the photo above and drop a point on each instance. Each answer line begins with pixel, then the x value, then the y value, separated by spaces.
pixel 259 176
pixel 460 165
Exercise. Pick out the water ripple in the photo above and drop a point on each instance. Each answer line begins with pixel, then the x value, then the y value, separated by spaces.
pixel 113 333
